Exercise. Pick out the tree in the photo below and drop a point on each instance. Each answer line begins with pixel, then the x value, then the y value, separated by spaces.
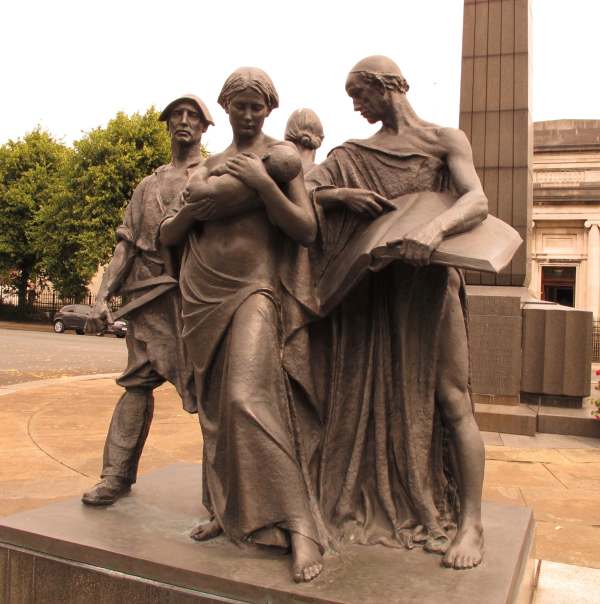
pixel 31 171
pixel 106 165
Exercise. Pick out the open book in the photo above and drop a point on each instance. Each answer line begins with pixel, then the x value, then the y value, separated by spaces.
pixel 487 247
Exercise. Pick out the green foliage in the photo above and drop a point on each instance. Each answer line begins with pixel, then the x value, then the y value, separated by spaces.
pixel 31 171
pixel 60 207
pixel 105 167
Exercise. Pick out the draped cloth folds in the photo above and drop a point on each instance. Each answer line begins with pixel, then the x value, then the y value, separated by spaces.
pixel 383 473
pixel 254 484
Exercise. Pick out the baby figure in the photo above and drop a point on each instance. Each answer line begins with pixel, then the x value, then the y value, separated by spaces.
pixel 282 162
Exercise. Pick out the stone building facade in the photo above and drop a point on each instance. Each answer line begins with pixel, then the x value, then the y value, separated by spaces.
pixel 565 246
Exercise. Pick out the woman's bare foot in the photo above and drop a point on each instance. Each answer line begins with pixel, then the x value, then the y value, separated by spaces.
pixel 207 530
pixel 466 549
pixel 307 558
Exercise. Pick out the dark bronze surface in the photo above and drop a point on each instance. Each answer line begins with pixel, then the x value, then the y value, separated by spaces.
pixel 145 535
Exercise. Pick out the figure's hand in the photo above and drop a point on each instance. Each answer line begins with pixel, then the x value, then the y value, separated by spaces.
pixel 249 168
pixel 417 246
pixel 363 201
pixel 98 318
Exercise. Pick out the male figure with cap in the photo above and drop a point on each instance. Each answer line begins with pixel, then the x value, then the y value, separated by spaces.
pixel 146 274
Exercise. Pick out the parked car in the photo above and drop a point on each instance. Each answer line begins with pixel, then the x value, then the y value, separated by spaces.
pixel 118 328
pixel 74 316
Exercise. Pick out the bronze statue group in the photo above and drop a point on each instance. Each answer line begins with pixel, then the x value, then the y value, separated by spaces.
pixel 319 430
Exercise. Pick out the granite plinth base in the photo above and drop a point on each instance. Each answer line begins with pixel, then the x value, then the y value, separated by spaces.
pixel 138 550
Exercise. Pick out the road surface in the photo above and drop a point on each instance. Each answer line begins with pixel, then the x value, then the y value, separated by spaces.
pixel 34 355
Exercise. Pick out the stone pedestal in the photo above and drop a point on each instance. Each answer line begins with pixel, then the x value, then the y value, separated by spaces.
pixel 139 551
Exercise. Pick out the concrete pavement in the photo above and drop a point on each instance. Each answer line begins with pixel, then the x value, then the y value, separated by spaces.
pixel 52 434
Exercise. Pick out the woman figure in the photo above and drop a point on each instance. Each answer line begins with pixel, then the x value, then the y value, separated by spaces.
pixel 234 312
pixel 305 130
pixel 402 457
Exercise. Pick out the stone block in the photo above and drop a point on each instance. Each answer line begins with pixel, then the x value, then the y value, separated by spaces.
pixel 506 155
pixel 507 42
pixel 479 83
pixel 478 139
pixel 552 400
pixel 507 84
pixel 468 30
pixel 490 186
pixel 464 123
pixel 493 83
pixel 567 423
pixel 557 350
pixel 522 17
pixel 513 419
pixel 505 193
pixel 494 46
pixel 466 85
pixel 495 343
pixel 481 29
pixel 522 185
pixel 521 81
pixel 492 139
pixel 521 132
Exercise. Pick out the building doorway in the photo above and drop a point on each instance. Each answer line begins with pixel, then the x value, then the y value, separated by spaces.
pixel 558 284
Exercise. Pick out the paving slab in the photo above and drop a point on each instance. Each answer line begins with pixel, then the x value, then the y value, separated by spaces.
pixel 491 438
pixel 510 474
pixel 577 476
pixel 52 437
pixel 549 441
pixel 567 584
pixel 568 543
pixel 525 455
pixel 581 455
pixel 560 505
pixel 498 494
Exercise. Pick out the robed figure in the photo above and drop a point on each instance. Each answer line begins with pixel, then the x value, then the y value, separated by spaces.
pixel 401 458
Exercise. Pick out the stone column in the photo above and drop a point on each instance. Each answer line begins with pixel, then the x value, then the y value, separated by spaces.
pixel 495 114
pixel 593 267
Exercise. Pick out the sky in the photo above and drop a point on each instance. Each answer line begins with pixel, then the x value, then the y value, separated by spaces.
pixel 71 65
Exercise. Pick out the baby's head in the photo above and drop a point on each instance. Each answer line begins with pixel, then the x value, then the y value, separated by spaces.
pixel 283 163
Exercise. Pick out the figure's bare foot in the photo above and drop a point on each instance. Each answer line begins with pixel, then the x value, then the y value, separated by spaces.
pixel 207 530
pixel 437 543
pixel 466 549
pixel 308 561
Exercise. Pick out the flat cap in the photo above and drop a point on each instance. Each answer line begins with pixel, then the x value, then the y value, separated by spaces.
pixel 202 108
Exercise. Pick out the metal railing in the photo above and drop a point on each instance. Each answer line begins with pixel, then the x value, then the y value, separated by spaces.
pixel 43 304
pixel 596 342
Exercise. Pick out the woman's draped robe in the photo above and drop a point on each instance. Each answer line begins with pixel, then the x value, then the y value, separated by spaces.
pixel 235 329
pixel 383 473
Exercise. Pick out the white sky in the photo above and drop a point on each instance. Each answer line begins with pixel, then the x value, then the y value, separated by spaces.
pixel 70 65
